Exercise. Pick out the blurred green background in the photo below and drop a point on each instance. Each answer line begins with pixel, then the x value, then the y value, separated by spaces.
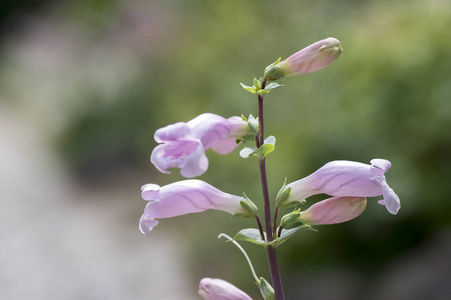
pixel 94 79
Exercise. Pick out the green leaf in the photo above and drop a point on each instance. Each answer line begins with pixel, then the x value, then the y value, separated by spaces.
pixel 264 150
pixel 250 235
pixel 267 147
pixel 270 140
pixel 262 92
pixel 257 84
pixel 250 89
pixel 286 234
pixel 273 85
pixel 248 151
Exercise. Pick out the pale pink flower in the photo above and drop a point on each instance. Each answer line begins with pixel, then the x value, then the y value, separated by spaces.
pixel 218 289
pixel 183 145
pixel 345 179
pixel 188 196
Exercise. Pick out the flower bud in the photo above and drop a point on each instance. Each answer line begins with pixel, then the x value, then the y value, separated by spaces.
pixel 218 289
pixel 333 211
pixel 312 58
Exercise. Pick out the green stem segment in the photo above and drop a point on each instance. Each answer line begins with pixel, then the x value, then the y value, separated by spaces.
pixel 270 250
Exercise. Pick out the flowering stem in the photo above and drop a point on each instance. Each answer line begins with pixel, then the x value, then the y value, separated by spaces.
pixel 270 250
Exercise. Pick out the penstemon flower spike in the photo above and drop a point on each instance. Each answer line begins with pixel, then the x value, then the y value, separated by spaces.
pixel 183 145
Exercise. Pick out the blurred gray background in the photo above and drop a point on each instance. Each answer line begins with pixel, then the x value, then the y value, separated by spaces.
pixel 84 85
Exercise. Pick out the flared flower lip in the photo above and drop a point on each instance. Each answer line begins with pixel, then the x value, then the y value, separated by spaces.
pixel 346 179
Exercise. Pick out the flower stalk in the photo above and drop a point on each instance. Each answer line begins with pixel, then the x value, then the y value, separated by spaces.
pixel 270 250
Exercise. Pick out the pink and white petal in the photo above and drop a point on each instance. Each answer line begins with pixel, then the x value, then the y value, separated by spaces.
pixel 150 192
pixel 157 158
pixel 225 146
pixel 195 164
pixel 172 132
pixel 209 128
pixel 391 200
pixel 147 224
pixel 175 154
pixel 379 166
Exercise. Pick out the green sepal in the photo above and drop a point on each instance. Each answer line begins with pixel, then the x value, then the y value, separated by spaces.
pixel 249 206
pixel 250 137
pixel 273 64
pixel 282 196
pixel 266 289
pixel 272 71
pixel 290 218
pixel 291 203
pixel 293 224
pixel 251 235
pixel 252 123
pixel 287 233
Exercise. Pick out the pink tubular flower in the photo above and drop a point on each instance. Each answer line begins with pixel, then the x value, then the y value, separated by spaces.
pixel 333 211
pixel 312 58
pixel 188 196
pixel 183 145
pixel 345 179
pixel 218 289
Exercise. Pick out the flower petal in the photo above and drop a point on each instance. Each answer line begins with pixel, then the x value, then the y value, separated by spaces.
pixel 225 146
pixel 172 132
pixel 195 164
pixel 209 128
pixel 178 154
pixel 390 199
pixel 150 191
pixel 146 225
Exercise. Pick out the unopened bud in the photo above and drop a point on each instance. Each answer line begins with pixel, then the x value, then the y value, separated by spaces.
pixel 333 210
pixel 312 58
pixel 218 289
